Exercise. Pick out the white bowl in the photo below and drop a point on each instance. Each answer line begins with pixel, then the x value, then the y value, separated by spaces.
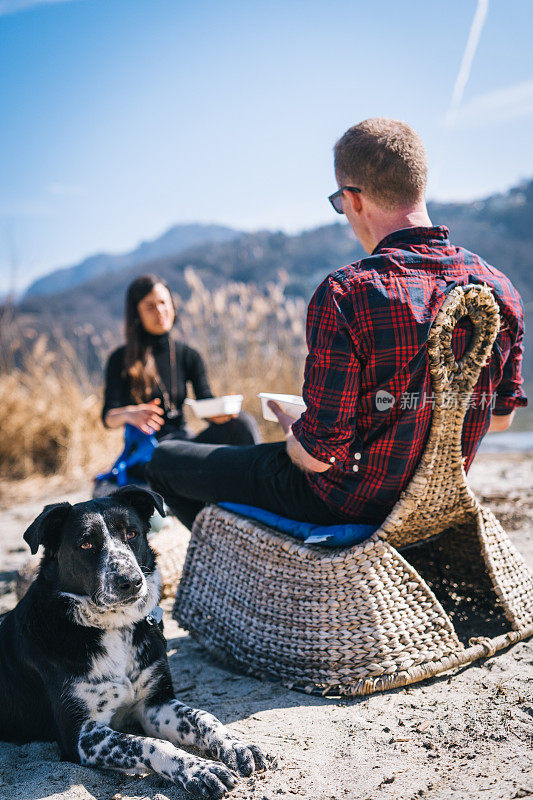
pixel 216 406
pixel 292 404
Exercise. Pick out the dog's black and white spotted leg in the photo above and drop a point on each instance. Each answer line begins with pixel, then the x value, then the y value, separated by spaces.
pixel 183 725
pixel 100 746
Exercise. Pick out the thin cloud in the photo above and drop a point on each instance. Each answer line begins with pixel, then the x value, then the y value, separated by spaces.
pixel 12 211
pixel 14 6
pixel 468 57
pixel 461 80
pixel 66 189
pixel 509 103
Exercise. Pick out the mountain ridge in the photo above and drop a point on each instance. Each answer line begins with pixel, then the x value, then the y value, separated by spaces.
pixel 498 228
pixel 174 240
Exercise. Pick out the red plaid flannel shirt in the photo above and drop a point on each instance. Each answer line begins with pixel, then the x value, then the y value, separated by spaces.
pixel 367 384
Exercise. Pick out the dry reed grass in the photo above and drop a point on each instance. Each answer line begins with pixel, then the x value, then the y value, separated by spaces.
pixel 252 340
pixel 50 423
pixel 51 399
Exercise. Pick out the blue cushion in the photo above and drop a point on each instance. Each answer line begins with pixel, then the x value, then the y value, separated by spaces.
pixel 329 535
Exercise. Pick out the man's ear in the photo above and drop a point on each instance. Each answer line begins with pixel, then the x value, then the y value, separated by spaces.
pixel 144 501
pixel 354 199
pixel 46 527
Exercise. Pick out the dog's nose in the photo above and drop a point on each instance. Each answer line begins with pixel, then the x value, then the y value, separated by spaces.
pixel 129 584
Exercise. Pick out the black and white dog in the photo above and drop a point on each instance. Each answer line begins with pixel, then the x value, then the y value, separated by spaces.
pixel 83 658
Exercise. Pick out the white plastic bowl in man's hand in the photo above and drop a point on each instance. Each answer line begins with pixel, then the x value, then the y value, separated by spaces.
pixel 290 403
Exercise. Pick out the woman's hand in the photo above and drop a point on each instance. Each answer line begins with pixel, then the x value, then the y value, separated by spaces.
pixel 222 418
pixel 147 417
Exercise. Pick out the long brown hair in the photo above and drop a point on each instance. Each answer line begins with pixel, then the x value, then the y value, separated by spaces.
pixel 139 364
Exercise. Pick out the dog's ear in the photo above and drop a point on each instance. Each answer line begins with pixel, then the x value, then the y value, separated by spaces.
pixel 144 501
pixel 45 529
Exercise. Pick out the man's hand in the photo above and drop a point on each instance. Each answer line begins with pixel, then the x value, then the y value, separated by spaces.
pixel 295 451
pixel 501 422
pixel 284 419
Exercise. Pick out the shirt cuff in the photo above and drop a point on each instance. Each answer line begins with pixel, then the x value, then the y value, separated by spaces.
pixel 505 405
pixel 326 451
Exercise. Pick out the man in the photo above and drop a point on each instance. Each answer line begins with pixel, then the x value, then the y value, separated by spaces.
pixel 367 384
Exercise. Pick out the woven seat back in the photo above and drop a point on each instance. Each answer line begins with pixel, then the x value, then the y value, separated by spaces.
pixel 438 495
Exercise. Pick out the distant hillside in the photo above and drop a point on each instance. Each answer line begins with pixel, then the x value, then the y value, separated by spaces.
pixel 255 257
pixel 171 243
pixel 499 228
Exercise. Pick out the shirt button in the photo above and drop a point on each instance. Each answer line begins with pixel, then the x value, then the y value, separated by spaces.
pixel 357 455
pixel 355 467
pixel 332 460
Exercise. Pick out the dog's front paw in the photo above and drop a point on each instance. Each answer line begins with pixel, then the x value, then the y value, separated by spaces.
pixel 241 757
pixel 206 780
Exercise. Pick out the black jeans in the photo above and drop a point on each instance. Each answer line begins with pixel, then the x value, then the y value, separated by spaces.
pixel 240 430
pixel 190 475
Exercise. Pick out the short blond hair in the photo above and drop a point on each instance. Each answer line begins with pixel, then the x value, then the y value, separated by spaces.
pixel 386 159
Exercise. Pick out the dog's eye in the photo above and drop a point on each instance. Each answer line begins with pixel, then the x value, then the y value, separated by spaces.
pixel 131 534
pixel 86 545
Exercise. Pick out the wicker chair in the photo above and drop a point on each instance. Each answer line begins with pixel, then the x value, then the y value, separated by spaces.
pixel 437 586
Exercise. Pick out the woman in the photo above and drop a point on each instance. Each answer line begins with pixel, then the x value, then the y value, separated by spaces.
pixel 146 379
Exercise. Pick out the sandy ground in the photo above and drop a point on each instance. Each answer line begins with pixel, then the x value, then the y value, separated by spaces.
pixel 466 735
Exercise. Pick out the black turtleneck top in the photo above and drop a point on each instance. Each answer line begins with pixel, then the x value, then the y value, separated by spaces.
pixel 189 367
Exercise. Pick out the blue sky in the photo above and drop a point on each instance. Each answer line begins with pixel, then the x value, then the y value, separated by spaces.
pixel 123 117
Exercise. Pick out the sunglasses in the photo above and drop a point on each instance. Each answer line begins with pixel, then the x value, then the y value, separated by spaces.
pixel 336 198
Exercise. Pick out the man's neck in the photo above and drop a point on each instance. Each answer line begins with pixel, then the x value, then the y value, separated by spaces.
pixel 413 218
